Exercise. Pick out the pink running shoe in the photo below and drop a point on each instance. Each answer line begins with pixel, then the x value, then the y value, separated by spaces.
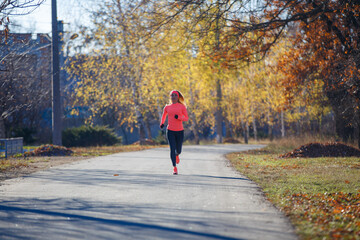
pixel 175 171
pixel 177 159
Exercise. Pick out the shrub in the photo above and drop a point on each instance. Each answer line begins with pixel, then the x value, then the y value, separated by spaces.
pixel 85 136
pixel 161 138
pixel 26 133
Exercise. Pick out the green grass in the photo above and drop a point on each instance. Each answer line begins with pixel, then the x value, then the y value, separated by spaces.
pixel 30 147
pixel 321 196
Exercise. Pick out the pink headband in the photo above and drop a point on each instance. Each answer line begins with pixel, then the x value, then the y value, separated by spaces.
pixel 174 91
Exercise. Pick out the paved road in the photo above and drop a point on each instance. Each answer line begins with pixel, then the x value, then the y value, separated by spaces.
pixel 84 200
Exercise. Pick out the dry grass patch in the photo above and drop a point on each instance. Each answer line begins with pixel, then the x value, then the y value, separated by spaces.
pixel 10 163
pixel 19 166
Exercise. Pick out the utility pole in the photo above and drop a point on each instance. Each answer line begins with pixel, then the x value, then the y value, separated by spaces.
pixel 56 103
pixel 218 114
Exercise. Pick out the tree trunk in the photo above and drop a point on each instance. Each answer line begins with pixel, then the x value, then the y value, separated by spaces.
pixel 246 128
pixel 141 125
pixel 130 67
pixel 194 128
pixel 139 116
pixel 254 124
pixel 270 130
pixel 228 128
pixel 125 140
pixel 194 124
pixel 142 134
pixel 255 129
pixel 197 138
pixel 148 129
pixel 160 110
pixel 219 118
pixel 343 129
pixel 282 124
pixel 247 132
pixel 298 124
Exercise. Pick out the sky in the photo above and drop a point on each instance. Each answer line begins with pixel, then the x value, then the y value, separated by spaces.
pixel 73 13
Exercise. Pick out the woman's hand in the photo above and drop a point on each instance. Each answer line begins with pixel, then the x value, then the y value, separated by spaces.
pixel 162 126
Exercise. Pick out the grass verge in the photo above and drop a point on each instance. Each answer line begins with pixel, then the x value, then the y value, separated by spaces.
pixel 321 196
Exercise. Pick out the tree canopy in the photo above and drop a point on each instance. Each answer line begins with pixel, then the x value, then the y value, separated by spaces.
pixel 248 64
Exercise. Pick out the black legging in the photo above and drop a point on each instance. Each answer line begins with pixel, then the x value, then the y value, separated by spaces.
pixel 175 139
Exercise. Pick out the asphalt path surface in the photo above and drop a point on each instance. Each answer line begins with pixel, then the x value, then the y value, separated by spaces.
pixel 135 196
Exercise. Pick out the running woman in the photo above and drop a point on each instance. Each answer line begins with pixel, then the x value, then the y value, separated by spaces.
pixel 176 111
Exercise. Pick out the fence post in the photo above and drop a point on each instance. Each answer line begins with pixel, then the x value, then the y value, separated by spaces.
pixel 12 146
pixel 6 149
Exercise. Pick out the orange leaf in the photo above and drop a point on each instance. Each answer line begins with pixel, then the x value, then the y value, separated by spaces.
pixel 337 210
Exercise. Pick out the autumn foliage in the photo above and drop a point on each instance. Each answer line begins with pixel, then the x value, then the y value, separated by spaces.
pixel 262 69
pixel 323 210
pixel 49 150
pixel 325 47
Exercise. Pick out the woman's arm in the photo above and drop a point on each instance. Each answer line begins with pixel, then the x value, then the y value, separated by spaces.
pixel 163 116
pixel 184 116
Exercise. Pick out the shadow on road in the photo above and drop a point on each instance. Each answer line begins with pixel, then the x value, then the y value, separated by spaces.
pixel 98 220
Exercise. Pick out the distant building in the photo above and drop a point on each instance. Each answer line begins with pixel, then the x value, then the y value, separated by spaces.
pixel 23 44
pixel 26 57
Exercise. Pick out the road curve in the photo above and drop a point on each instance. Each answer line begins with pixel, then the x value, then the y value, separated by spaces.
pixel 135 196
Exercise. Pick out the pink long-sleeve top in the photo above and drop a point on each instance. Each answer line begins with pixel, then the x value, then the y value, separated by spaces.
pixel 172 110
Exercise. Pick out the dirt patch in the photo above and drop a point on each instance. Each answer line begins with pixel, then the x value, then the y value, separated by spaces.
pixel 313 150
pixel 19 167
